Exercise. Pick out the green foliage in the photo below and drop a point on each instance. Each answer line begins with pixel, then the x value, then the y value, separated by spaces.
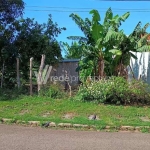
pixel 100 39
pixel 115 90
pixel 106 45
pixel 31 39
pixel 10 10
pixel 94 91
pixel 73 51
pixel 12 94
pixel 54 91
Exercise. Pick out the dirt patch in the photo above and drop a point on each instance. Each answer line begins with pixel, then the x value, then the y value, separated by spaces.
pixel 145 119
pixel 69 116
pixel 24 112
pixel 47 114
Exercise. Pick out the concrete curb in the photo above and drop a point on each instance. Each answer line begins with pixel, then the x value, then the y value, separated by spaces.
pixel 77 126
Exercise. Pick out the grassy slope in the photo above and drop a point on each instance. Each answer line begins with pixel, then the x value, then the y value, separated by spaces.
pixel 33 108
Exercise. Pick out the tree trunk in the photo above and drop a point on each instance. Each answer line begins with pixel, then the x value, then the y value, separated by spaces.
pixel 2 76
pixel 31 87
pixel 18 77
pixel 101 68
pixel 40 78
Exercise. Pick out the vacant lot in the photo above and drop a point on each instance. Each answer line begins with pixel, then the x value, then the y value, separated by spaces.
pixel 46 109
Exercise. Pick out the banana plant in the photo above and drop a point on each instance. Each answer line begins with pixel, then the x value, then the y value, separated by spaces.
pixel 108 47
pixel 125 45
pixel 100 33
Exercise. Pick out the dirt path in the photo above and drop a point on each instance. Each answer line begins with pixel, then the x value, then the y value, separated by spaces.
pixel 35 138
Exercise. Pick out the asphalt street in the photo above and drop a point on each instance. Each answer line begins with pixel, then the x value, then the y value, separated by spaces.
pixel 13 137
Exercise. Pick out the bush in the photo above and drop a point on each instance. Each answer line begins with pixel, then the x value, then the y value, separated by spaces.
pixel 115 90
pixel 12 94
pixel 53 91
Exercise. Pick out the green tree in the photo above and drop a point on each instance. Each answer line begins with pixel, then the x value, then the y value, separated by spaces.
pixel 10 10
pixel 33 40
pixel 24 38
pixel 73 51
pixel 95 35
pixel 107 49
pixel 124 45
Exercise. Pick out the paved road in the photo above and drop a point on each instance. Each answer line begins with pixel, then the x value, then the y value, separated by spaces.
pixel 35 138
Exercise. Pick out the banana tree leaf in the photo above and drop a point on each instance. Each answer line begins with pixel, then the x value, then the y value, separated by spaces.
pixel 96 16
pixel 78 68
pixel 98 43
pixel 145 48
pixel 132 55
pixel 115 52
pixel 108 15
pixel 125 16
pixel 95 30
pixel 77 38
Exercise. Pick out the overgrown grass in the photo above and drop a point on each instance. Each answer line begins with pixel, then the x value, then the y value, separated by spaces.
pixel 47 109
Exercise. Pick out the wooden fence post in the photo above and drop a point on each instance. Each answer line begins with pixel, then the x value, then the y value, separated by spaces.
pixel 31 87
pixel 18 77
pixel 40 78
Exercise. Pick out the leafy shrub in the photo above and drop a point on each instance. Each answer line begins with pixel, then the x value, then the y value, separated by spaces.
pixel 119 92
pixel 95 91
pixel 115 90
pixel 53 91
pixel 12 94
pixel 140 92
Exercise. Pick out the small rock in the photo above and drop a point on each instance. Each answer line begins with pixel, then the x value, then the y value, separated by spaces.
pixel 80 126
pixel 138 128
pixel 52 124
pixel 18 121
pixel 61 125
pixel 93 117
pixel 127 128
pixel 84 126
pixel 107 127
pixel 65 125
pixel 68 125
pixel 6 120
pixel 77 125
pixel 34 123
pixel 46 124
pixel 93 126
